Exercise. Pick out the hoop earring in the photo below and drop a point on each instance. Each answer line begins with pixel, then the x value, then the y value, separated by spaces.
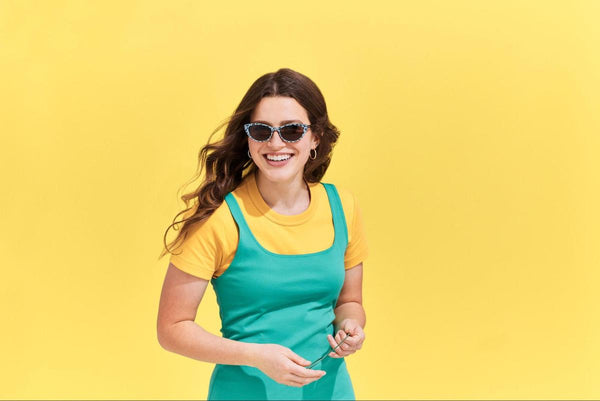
pixel 249 154
pixel 311 156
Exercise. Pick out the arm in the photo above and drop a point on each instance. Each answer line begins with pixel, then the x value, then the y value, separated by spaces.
pixel 177 332
pixel 350 315
pixel 349 304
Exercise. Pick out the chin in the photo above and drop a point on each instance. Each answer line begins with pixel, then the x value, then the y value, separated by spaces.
pixel 278 175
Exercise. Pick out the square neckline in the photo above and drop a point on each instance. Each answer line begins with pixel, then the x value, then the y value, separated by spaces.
pixel 282 255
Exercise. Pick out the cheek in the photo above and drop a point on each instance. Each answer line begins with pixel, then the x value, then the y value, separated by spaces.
pixel 305 146
pixel 253 146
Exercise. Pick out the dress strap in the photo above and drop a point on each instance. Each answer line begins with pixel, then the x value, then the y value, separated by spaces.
pixel 335 204
pixel 337 212
pixel 237 215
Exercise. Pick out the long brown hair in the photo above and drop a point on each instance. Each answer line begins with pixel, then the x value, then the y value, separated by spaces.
pixel 227 160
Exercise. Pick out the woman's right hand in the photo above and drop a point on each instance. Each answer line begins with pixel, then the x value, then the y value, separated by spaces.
pixel 283 365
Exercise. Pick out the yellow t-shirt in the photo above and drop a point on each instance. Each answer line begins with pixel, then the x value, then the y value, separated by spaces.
pixel 210 247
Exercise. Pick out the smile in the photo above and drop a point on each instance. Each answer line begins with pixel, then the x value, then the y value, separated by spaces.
pixel 279 157
pixel 278 160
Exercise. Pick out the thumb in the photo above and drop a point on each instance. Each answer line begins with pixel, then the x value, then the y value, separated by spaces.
pixel 297 358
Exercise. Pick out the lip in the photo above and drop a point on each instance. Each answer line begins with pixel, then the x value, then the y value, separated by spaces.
pixel 278 163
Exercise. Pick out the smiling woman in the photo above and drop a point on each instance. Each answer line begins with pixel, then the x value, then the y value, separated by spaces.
pixel 281 162
pixel 283 251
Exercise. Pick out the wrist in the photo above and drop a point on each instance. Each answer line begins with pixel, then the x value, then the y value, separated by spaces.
pixel 251 352
pixel 339 325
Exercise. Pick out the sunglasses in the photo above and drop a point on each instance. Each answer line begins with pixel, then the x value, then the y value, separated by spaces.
pixel 289 132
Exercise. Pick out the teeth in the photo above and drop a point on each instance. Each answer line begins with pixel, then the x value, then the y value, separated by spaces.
pixel 278 158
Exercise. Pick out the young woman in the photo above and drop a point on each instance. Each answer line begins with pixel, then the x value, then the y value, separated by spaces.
pixel 283 252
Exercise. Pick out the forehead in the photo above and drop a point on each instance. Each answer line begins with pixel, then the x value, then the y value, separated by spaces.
pixel 276 109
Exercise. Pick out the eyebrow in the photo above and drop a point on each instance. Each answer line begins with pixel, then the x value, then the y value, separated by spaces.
pixel 282 123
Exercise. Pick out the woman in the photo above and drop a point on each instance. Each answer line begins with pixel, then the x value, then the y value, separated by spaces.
pixel 282 250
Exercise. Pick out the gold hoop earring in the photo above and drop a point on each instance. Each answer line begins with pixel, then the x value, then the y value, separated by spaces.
pixel 311 156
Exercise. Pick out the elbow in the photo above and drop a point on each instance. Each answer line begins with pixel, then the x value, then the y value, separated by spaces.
pixel 169 333
pixel 163 335
pixel 346 302
pixel 160 336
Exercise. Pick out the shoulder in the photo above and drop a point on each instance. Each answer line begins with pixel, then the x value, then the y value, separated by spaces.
pixel 222 212
pixel 207 244
pixel 347 197
pixel 217 224
pixel 349 203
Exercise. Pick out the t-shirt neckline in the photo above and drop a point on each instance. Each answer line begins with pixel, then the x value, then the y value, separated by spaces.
pixel 283 219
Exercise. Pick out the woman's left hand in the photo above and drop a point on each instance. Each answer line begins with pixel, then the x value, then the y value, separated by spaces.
pixel 352 344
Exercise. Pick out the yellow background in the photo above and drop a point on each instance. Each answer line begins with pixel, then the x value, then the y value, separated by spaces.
pixel 470 134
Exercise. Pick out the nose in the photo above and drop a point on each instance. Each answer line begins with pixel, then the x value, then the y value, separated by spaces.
pixel 276 139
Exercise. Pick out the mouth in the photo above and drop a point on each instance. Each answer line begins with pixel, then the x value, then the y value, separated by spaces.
pixel 276 157
pixel 279 159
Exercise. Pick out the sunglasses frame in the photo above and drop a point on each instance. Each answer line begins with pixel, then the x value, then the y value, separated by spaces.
pixel 273 129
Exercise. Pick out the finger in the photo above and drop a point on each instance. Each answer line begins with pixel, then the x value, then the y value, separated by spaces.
pixel 349 326
pixel 353 328
pixel 339 344
pixel 309 373
pixel 355 341
pixel 340 341
pixel 346 347
pixel 297 358
pixel 299 381
pixel 336 348
pixel 349 351
pixel 304 379
pixel 341 352
pixel 337 351
pixel 334 344
pixel 303 372
pixel 344 354
pixel 352 341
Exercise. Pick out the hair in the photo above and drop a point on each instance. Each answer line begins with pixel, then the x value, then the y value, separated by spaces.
pixel 226 161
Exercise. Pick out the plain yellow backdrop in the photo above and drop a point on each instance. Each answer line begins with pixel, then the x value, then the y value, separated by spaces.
pixel 470 135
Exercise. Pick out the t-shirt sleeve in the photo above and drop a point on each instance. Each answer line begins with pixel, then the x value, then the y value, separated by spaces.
pixel 201 253
pixel 357 250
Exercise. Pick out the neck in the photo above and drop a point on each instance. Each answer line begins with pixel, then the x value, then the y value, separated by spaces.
pixel 285 197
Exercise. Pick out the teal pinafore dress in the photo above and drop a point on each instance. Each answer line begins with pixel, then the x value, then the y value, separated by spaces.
pixel 271 298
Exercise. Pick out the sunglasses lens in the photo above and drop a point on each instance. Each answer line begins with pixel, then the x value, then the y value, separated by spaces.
pixel 260 132
pixel 292 132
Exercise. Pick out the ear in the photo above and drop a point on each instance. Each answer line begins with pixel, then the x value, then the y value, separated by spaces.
pixel 316 140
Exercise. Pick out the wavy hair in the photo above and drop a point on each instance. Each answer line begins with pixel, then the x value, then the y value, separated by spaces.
pixel 226 161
